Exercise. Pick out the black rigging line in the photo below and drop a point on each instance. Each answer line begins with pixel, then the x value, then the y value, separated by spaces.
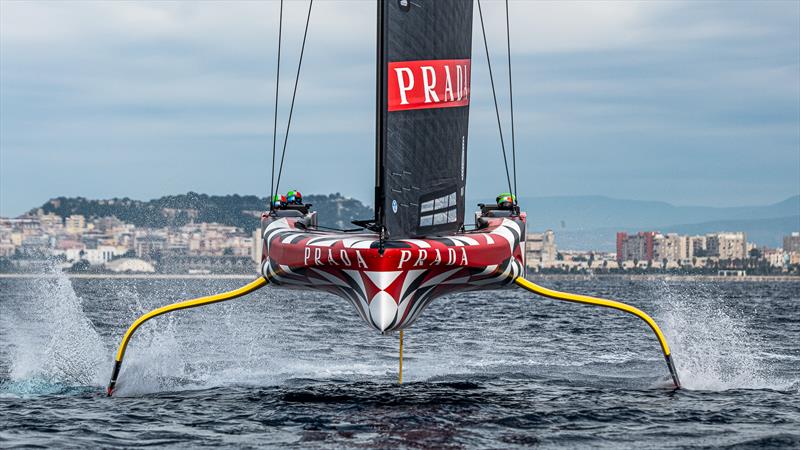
pixel 275 121
pixel 494 94
pixel 294 94
pixel 511 100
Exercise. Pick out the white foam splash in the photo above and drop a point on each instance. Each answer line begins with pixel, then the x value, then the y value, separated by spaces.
pixel 241 342
pixel 258 341
pixel 53 342
pixel 714 345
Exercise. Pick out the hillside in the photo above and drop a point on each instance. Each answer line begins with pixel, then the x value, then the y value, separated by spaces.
pixel 591 212
pixel 242 211
pixel 763 232
pixel 767 232
pixel 581 223
pixel 591 222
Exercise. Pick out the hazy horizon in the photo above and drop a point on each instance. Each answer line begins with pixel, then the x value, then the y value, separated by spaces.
pixel 368 202
pixel 693 104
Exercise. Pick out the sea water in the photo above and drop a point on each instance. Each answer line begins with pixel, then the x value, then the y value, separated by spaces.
pixel 484 369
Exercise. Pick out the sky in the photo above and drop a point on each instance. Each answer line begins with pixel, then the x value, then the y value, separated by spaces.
pixel 693 103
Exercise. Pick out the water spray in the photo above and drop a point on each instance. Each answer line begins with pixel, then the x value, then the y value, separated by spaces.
pixel 230 295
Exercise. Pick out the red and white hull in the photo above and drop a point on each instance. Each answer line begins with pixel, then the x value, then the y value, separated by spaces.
pixel 390 289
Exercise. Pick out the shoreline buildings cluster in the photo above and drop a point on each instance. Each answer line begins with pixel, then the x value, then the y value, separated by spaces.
pixel 726 253
pixel 108 244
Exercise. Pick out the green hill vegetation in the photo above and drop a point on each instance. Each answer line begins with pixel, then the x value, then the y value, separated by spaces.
pixel 243 211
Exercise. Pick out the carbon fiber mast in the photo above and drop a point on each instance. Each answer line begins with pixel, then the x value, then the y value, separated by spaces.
pixel 380 128
pixel 424 50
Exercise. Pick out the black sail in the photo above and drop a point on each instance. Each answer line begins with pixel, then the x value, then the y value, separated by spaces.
pixel 424 51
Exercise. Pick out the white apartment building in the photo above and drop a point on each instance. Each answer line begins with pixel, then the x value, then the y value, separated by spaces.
pixel 670 247
pixel 726 245
pixel 102 254
pixel 257 244
pixel 791 243
pixel 695 245
pixel 540 249
pixel 775 257
pixel 676 250
pixel 75 224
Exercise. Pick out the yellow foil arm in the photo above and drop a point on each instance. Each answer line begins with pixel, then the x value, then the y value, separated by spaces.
pixel 576 298
pixel 256 284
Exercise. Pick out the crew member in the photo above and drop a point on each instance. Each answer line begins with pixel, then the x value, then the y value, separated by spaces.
pixel 506 200
pixel 279 201
pixel 294 197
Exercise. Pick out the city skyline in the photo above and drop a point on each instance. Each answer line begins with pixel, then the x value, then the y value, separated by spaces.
pixel 679 102
pixel 77 243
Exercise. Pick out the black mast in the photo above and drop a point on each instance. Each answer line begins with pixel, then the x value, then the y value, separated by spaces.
pixel 380 77
pixel 422 76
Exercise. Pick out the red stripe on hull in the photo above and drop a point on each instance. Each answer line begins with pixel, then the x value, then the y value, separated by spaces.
pixel 391 289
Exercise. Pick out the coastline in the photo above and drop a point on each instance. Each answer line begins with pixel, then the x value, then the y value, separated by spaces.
pixel 535 277
pixel 669 277
pixel 129 276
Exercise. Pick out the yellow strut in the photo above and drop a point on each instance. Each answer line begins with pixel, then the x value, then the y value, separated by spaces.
pixel 252 286
pixel 576 298
pixel 400 373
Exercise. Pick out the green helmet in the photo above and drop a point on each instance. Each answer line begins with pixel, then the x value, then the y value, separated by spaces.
pixel 506 198
pixel 294 197
pixel 279 201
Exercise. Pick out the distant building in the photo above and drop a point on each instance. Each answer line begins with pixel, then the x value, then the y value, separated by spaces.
pixel 149 246
pixel 75 224
pixel 696 246
pixel 71 249
pixel 672 250
pixel 670 247
pixel 793 258
pixel 130 265
pixel 34 246
pixel 101 254
pixel 540 249
pixel 791 243
pixel 51 222
pixel 732 273
pixel 24 226
pixel 774 257
pixel 637 247
pixel 108 224
pixel 727 246
pixel 257 244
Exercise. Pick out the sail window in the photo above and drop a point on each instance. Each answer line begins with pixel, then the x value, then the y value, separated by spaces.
pixel 439 211
pixel 451 215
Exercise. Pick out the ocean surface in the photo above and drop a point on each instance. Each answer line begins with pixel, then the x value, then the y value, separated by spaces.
pixel 482 370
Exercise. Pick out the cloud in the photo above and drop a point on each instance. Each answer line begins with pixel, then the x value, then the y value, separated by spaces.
pixel 618 98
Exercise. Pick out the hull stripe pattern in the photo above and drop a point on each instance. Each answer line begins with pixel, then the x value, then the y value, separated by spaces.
pixel 390 290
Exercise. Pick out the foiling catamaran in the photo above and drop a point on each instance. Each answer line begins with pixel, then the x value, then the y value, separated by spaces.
pixel 417 247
